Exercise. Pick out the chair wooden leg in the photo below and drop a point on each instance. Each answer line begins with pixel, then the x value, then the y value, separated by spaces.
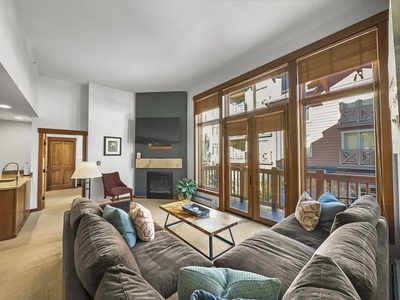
pixel 131 196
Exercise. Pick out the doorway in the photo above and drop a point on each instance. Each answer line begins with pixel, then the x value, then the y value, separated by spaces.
pixel 61 163
pixel 43 158
pixel 255 166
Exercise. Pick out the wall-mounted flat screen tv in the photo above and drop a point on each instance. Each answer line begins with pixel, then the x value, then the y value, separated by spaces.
pixel 158 131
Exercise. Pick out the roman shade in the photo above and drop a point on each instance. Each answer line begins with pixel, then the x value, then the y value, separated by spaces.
pixel 351 53
pixel 206 104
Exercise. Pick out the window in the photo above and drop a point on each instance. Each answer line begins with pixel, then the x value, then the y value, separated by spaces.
pixel 307 113
pixel 207 112
pixel 308 145
pixel 259 92
pixel 358 148
pixel 336 87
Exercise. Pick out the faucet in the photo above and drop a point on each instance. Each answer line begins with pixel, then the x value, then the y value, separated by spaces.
pixel 12 163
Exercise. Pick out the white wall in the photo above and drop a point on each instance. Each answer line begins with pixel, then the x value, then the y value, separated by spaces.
pixel 111 113
pixel 62 105
pixel 16 55
pixel 15 137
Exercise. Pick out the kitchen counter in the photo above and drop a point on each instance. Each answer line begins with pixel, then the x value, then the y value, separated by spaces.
pixel 8 183
pixel 15 206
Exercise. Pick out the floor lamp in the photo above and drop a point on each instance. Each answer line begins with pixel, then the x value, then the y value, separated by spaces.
pixel 86 170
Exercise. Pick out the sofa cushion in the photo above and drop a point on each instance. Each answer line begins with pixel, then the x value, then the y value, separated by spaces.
pixel 98 246
pixel 308 212
pixel 161 259
pixel 353 247
pixel 322 279
pixel 121 283
pixel 364 209
pixel 122 222
pixel 290 227
pixel 227 283
pixel 81 206
pixel 330 206
pixel 143 222
pixel 269 254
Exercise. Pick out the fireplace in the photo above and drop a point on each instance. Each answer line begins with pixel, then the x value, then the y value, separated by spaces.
pixel 159 185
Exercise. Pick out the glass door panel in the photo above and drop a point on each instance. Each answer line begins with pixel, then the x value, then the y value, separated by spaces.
pixel 269 171
pixel 238 167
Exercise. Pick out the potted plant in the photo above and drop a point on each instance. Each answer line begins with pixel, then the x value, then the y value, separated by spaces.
pixel 185 188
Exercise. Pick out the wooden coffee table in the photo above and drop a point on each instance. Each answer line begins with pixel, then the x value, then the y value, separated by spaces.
pixel 212 225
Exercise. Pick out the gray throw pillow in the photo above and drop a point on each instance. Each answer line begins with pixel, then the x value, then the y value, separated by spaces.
pixel 98 246
pixel 121 283
pixel 364 209
pixel 322 279
pixel 353 247
pixel 81 206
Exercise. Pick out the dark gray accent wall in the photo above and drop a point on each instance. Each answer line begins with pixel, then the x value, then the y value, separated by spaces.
pixel 162 104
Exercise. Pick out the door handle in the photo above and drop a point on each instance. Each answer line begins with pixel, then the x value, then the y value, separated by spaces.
pixel 249 179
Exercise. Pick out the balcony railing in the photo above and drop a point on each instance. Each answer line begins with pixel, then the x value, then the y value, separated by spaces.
pixel 356 115
pixel 358 157
pixel 345 187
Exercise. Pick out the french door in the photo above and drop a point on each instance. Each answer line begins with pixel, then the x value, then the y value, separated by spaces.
pixel 255 169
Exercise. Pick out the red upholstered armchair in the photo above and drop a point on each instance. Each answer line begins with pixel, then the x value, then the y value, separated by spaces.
pixel 114 187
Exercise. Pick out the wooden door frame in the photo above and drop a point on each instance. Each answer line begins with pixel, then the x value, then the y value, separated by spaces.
pixel 43 132
pixel 226 200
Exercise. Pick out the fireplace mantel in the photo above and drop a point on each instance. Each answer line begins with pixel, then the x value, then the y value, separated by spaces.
pixel 159 163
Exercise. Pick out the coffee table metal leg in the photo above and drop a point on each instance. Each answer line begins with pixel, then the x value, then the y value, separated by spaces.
pixel 171 224
pixel 210 244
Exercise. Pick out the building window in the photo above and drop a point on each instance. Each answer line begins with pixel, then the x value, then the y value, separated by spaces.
pixel 358 148
pixel 308 145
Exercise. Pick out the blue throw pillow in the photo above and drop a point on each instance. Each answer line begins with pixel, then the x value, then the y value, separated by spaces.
pixel 330 206
pixel 122 222
pixel 203 295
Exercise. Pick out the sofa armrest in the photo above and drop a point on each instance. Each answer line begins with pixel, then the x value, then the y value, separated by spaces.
pixel 122 204
pixel 72 286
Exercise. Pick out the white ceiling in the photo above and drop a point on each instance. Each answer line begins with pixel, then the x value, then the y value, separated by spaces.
pixel 150 46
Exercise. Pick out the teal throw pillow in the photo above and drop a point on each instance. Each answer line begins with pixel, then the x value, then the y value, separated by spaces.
pixel 122 222
pixel 330 206
pixel 227 283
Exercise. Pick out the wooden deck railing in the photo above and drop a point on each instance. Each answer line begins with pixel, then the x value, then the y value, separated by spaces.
pixel 346 187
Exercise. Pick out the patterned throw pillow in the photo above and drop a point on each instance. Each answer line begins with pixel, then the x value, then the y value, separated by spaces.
pixel 308 212
pixel 143 222
pixel 227 283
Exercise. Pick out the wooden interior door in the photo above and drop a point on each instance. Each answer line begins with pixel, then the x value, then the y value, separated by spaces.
pixel 61 163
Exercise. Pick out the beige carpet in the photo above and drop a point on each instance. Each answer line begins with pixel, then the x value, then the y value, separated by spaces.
pixel 31 263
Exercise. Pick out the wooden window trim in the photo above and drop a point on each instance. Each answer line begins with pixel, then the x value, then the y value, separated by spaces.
pixel 296 158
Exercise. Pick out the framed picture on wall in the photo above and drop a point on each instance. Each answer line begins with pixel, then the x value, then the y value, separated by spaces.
pixel 112 146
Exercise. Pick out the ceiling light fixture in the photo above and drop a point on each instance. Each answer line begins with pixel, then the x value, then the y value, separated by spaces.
pixel 19 118
pixel 5 106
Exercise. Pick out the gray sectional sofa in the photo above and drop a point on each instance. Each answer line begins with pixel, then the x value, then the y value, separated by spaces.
pixel 98 264
pixel 350 262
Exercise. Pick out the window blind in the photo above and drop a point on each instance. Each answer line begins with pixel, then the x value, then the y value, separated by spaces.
pixel 206 104
pixel 270 122
pixel 352 53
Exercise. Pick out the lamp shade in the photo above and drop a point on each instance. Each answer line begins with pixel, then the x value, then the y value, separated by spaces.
pixel 86 169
